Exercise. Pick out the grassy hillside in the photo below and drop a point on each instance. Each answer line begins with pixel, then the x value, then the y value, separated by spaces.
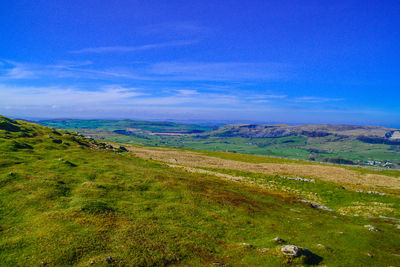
pixel 70 200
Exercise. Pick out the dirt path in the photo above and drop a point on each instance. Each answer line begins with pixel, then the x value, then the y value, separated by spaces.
pixel 327 173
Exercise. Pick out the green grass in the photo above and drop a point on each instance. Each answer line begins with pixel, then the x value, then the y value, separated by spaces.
pixel 74 202
pixel 327 193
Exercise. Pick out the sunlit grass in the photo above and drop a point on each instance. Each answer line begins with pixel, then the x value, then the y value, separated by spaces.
pixel 73 203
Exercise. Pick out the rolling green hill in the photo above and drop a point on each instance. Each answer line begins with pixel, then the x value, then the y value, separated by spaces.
pixel 70 200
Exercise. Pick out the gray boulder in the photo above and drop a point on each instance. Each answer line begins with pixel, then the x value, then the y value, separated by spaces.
pixel 291 251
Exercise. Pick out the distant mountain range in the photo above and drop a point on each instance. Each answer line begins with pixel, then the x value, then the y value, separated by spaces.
pixel 319 130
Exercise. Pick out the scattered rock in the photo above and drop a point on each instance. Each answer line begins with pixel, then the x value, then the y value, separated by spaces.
pixel 279 240
pixel 370 255
pixel 316 205
pixel 340 233
pixel 371 228
pixel 398 226
pixel 321 246
pixel 371 192
pixel 247 245
pixel 109 259
pixel 290 250
pixel 173 160
pixel 298 179
pixel 293 251
pixel 92 262
pixel 122 148
pixel 263 250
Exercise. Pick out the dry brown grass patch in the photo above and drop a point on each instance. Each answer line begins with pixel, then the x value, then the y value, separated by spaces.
pixel 335 174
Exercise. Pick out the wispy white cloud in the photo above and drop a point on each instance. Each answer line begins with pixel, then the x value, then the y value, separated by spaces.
pixel 218 71
pixel 275 96
pixel 116 101
pixel 124 49
pixel 16 71
pixel 22 96
pixel 315 99
pixel 20 72
pixel 163 71
pixel 187 92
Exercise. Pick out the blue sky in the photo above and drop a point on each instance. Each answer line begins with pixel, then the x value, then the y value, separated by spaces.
pixel 262 61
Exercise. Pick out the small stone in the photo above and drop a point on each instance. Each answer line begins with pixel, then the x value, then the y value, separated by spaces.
pixel 321 246
pixel 398 226
pixel 370 255
pixel 109 260
pixel 247 245
pixel 371 228
pixel 318 206
pixel 263 250
pixel 92 262
pixel 340 233
pixel 279 240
